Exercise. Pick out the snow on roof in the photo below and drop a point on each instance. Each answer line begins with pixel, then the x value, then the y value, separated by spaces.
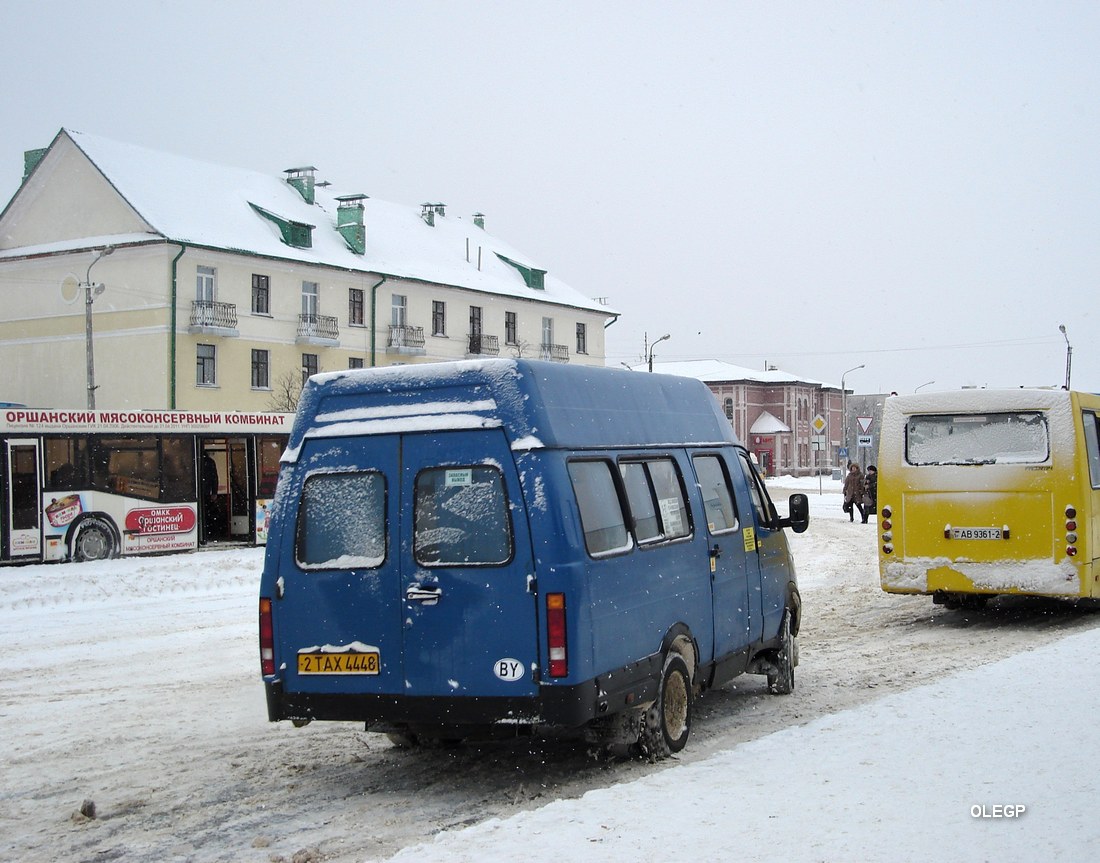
pixel 718 371
pixel 769 423
pixel 201 203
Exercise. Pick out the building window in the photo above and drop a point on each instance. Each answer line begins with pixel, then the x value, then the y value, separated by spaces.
pixel 582 338
pixel 439 318
pixel 205 366
pixel 355 362
pixel 510 328
pixel 261 294
pixel 204 284
pixel 475 320
pixel 309 299
pixel 399 310
pixel 309 367
pixel 728 405
pixel 355 307
pixel 261 379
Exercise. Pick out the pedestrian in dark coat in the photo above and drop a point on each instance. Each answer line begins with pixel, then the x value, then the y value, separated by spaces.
pixel 870 492
pixel 853 493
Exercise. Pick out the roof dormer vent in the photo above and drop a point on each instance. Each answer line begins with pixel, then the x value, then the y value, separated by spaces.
pixel 479 220
pixel 304 180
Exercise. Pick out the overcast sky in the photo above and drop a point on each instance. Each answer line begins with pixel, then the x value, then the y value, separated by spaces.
pixel 912 186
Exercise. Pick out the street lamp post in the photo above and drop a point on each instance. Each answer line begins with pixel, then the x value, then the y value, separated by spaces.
pixel 844 405
pixel 90 293
pixel 1069 351
pixel 652 346
pixel 922 386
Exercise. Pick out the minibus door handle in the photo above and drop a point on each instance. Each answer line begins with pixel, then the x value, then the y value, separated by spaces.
pixel 426 595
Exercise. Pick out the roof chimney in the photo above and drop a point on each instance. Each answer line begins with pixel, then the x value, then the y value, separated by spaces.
pixel 428 212
pixel 304 180
pixel 479 220
pixel 349 222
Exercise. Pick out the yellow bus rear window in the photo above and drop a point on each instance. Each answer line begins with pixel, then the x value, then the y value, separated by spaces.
pixel 1017 437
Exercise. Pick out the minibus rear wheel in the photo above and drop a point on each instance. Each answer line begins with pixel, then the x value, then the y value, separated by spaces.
pixel 667 723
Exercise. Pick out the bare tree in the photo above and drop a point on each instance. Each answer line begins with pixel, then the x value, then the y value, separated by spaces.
pixel 286 392
pixel 521 348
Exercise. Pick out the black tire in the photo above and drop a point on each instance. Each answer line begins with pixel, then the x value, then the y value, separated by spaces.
pixel 667 723
pixel 403 739
pixel 94 540
pixel 781 681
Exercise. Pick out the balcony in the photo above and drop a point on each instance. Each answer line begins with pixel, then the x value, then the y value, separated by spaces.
pixel 211 318
pixel 318 330
pixel 405 340
pixel 481 345
pixel 554 353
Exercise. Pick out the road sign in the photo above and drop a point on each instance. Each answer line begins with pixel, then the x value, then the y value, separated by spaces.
pixel 866 440
pixel 865 423
pixel 818 423
pixel 843 452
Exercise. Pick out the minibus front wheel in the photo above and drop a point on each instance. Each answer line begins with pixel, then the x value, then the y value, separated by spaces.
pixel 667 723
pixel 781 680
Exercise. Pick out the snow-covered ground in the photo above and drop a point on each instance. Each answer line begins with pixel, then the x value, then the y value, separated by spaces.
pixel 134 684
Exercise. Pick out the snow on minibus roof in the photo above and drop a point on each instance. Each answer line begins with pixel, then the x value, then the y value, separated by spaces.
pixel 536 402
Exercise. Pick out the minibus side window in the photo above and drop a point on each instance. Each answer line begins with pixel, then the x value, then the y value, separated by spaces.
pixel 1092 444
pixel 639 495
pixel 342 521
pixel 461 517
pixel 600 508
pixel 656 498
pixel 670 498
pixel 714 484
pixel 760 500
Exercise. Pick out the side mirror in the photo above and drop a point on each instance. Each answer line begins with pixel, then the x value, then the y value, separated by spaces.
pixel 799 509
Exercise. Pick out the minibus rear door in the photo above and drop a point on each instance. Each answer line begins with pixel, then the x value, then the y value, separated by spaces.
pixel 467 576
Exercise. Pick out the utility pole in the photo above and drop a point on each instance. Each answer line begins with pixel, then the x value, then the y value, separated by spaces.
pixel 90 293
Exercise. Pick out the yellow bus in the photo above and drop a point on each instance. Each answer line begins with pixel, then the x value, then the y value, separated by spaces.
pixel 987 492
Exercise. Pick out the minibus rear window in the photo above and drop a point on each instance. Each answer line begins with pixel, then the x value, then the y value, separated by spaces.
pixel 601 512
pixel 972 439
pixel 342 521
pixel 461 517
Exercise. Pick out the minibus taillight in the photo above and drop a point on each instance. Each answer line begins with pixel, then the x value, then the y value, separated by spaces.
pixel 267 638
pixel 555 634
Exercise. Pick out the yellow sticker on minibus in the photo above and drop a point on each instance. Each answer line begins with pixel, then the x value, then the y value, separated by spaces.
pixel 749 535
pixel 338 663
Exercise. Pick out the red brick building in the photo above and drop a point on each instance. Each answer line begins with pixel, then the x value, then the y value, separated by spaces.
pixel 773 413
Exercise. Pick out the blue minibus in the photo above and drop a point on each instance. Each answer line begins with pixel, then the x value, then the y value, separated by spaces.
pixel 506 547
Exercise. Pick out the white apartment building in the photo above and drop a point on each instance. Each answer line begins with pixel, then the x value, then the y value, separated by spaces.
pixel 136 278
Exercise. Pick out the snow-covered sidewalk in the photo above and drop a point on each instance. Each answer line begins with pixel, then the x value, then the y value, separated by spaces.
pixel 996 763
